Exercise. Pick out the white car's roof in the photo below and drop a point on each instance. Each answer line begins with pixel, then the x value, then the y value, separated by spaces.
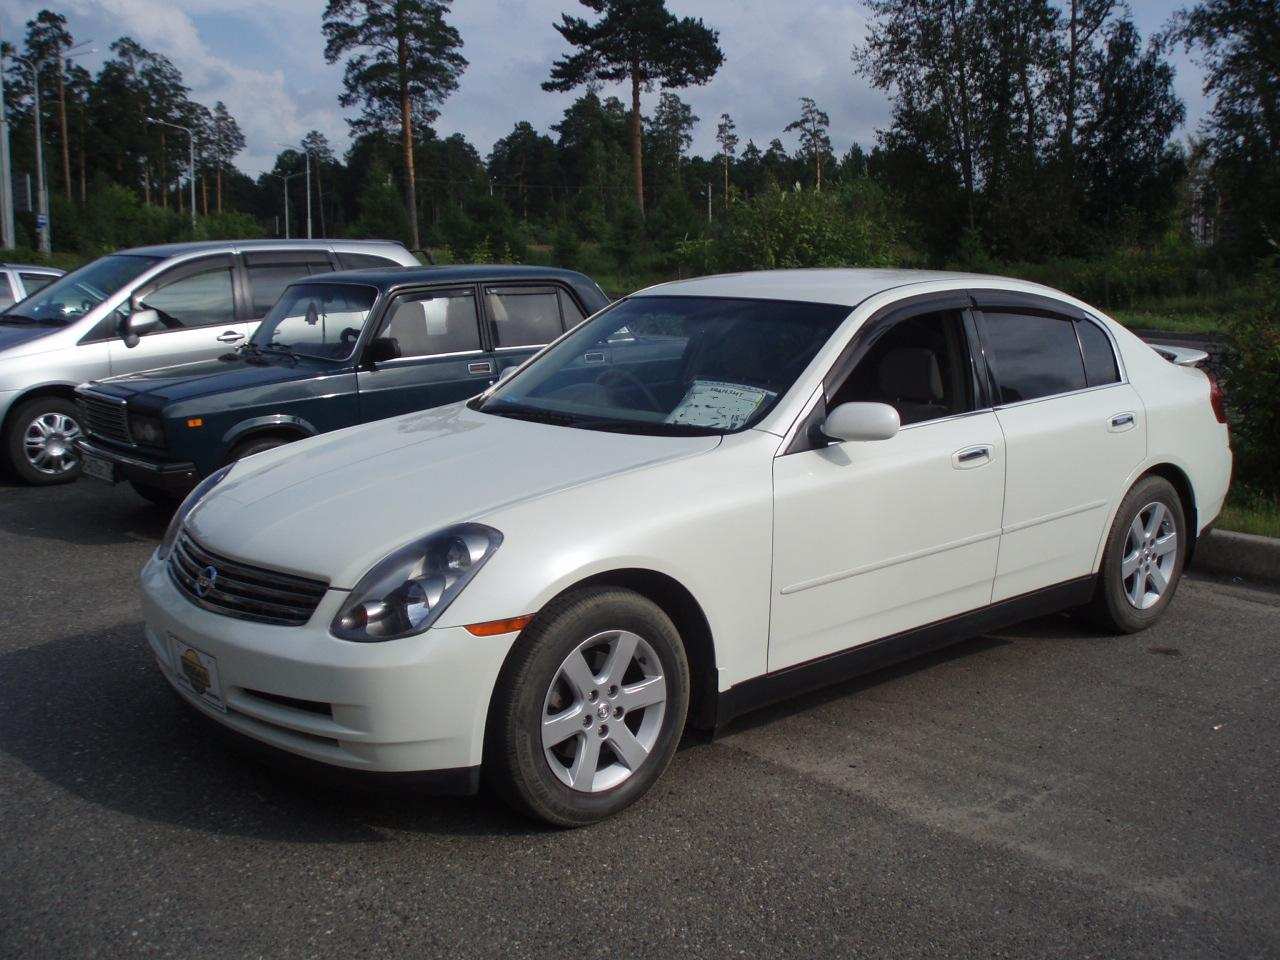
pixel 846 287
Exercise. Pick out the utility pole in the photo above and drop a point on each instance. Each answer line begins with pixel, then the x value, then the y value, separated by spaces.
pixel 8 235
pixel 191 164
pixel 708 201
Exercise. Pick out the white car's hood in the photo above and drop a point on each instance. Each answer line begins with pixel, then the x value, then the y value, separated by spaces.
pixel 334 505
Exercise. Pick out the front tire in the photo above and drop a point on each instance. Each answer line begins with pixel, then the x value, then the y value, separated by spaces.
pixel 40 444
pixel 1143 560
pixel 589 708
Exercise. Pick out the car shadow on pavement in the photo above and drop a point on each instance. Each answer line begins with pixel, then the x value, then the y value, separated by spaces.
pixel 824 695
pixel 91 715
pixel 73 514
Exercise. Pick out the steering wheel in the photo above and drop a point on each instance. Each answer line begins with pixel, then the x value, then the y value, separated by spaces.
pixel 349 336
pixel 634 381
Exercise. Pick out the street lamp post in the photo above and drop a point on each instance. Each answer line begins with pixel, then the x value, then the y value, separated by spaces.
pixel 191 163
pixel 306 155
pixel 42 193
pixel 8 234
pixel 284 178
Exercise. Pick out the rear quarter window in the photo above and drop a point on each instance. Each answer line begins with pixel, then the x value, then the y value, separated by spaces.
pixel 1100 365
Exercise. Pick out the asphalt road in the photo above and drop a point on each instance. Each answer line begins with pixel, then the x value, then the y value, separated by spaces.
pixel 1043 792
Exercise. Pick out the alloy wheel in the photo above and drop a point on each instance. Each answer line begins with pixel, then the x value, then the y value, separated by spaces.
pixel 1150 554
pixel 49 443
pixel 604 711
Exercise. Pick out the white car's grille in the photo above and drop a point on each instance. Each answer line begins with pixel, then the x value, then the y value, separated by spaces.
pixel 240 590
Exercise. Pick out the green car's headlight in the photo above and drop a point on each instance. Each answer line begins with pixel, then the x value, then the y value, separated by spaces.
pixel 189 504
pixel 407 591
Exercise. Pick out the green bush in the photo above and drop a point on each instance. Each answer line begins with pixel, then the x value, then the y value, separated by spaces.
pixel 1251 373
pixel 851 226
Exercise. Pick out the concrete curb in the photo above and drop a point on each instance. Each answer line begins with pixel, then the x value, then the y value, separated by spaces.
pixel 1226 553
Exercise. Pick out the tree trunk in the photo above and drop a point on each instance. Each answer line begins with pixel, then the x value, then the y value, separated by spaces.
pixel 726 179
pixel 219 191
pixel 84 192
pixel 406 136
pixel 62 125
pixel 160 180
pixel 637 142
pixel 204 193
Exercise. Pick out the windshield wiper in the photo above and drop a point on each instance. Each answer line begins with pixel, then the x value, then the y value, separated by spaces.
pixel 653 428
pixel 535 414
pixel 26 321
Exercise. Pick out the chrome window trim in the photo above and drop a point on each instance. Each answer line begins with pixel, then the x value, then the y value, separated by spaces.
pixel 425 356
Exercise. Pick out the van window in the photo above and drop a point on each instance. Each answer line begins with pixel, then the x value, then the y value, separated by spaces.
pixel 36 281
pixel 363 261
pixel 197 300
pixel 1032 355
pixel 270 272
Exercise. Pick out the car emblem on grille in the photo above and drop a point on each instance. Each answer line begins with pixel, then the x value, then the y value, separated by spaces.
pixel 206 580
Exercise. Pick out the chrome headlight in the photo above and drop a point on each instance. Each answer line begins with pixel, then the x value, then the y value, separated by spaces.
pixel 407 591
pixel 148 431
pixel 189 504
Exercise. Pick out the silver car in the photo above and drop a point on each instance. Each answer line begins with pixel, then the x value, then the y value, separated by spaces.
pixel 20 280
pixel 139 309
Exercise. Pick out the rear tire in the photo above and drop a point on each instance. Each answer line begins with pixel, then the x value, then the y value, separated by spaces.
pixel 589 707
pixel 40 443
pixel 1143 559
pixel 254 445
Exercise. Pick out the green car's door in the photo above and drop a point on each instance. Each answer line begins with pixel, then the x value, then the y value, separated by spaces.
pixel 438 358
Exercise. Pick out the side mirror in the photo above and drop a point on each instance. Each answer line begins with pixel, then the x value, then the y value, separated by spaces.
pixel 506 373
pixel 382 349
pixel 861 421
pixel 134 327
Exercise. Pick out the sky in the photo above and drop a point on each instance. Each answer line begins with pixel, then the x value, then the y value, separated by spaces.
pixel 265 60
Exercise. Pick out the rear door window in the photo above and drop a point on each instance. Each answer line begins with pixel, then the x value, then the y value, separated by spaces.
pixel 6 295
pixel 1032 355
pixel 524 316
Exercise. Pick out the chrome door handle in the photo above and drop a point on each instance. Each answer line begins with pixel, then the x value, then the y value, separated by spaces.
pixel 971 457
pixel 230 336
pixel 481 368
pixel 1122 421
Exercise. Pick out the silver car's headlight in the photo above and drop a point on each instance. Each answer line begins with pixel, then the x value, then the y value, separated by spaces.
pixel 189 504
pixel 407 591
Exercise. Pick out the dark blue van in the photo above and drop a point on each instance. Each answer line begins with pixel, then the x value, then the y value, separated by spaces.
pixel 336 350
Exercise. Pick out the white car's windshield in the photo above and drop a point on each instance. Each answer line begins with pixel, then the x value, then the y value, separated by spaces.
pixel 321 320
pixel 71 297
pixel 698 365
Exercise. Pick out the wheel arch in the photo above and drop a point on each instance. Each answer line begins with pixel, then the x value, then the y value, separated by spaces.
pixel 1181 483
pixel 289 428
pixel 677 602
pixel 63 391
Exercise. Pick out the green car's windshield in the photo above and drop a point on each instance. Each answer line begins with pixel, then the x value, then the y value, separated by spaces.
pixel 320 320
pixel 69 298
pixel 670 365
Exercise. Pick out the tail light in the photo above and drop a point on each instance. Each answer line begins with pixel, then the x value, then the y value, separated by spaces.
pixel 1216 398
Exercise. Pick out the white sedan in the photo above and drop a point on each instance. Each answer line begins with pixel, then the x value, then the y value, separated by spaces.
pixel 712 494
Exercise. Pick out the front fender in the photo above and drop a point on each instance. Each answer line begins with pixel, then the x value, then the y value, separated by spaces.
pixel 258 424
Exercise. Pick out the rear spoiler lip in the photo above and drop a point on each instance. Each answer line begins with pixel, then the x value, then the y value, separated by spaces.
pixel 1181 356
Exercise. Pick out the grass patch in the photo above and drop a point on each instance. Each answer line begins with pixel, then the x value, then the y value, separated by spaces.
pixel 1171 321
pixel 1248 511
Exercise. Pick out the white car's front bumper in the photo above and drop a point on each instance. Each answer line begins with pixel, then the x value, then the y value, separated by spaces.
pixel 410 705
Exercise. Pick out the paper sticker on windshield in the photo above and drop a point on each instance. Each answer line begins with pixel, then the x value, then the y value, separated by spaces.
pixel 723 406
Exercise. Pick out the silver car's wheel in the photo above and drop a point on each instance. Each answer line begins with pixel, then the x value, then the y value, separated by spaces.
pixel 49 444
pixel 603 711
pixel 1150 555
